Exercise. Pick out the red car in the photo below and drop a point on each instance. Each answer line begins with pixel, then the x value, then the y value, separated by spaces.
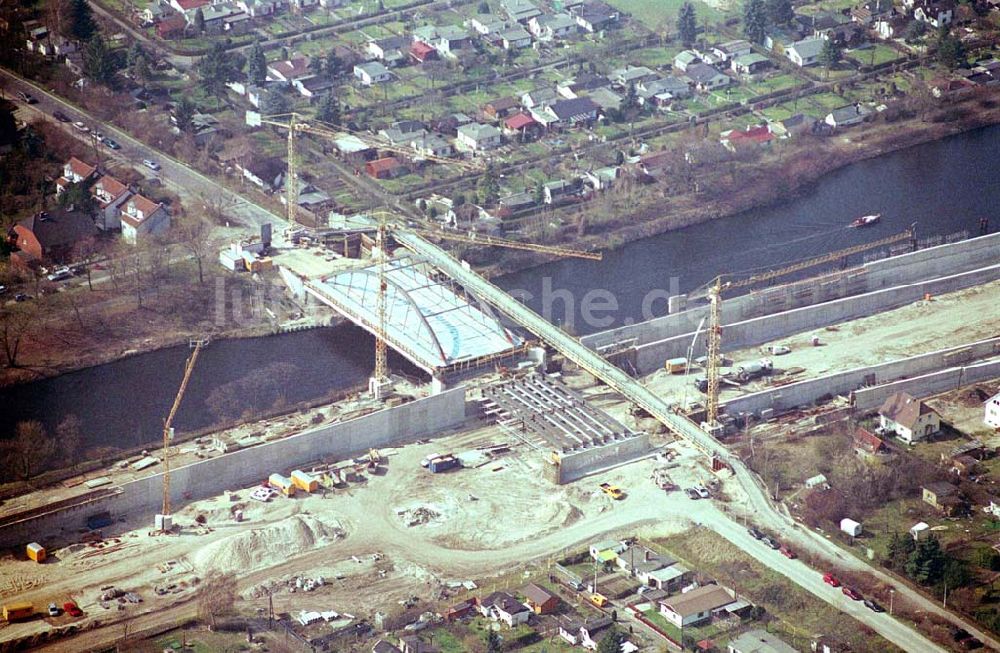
pixel 788 553
pixel 831 580
pixel 72 609
pixel 852 594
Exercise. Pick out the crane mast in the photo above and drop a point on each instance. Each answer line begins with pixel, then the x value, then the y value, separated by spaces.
pixel 380 379
pixel 163 521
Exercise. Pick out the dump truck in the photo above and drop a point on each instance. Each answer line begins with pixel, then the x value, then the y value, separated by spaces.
pixel 18 611
pixel 305 482
pixel 35 552
pixel 282 484
pixel 612 491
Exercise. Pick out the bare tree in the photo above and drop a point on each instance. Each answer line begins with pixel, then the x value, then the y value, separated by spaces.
pixel 29 449
pixel 15 323
pixel 69 436
pixel 192 234
pixel 216 596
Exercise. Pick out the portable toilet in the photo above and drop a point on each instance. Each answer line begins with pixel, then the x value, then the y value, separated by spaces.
pixel 305 482
pixel 282 484
pixel 36 552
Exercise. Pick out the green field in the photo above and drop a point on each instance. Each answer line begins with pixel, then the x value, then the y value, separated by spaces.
pixel 655 13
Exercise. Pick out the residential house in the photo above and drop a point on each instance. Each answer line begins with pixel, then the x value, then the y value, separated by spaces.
pixel 520 123
pixel 170 28
pixel 476 136
pixel 852 114
pixel 661 92
pixel 935 13
pixel 632 75
pixel 432 145
pixel 156 11
pixel 501 606
pixel 313 86
pixel 991 411
pixel 909 418
pixel 487 24
pixel 780 39
pixel 586 633
pixel 539 97
pixel 847 35
pixel 425 33
pixel 638 560
pixel 696 606
pixel 541 600
pixel 460 610
pixel 737 139
pixel 391 50
pixel 501 107
pixel 515 38
pixel 944 496
pixel 891 26
pixel 372 72
pixel 289 70
pixel 594 16
pixel 749 64
pixel 654 165
pixel 50 236
pixel 403 132
pixel 215 16
pixel 141 218
pixel 310 197
pixel 266 173
pixel 75 171
pixel 573 112
pixel 520 11
pixel 259 8
pixel 385 168
pixel 706 78
pixel 964 466
pixel 760 641
pixel 602 178
pixel 382 646
pixel 581 84
pixel 413 644
pixel 868 443
pixel 421 52
pixel 110 194
pixel 517 202
pixel 732 49
pixel 556 192
pixel 792 126
pixel 606 99
pixel 236 23
pixel 669 579
pixel 183 6
pixel 552 26
pixel 451 39
pixel 867 12
pixel 951 87
pixel 352 148
pixel 805 52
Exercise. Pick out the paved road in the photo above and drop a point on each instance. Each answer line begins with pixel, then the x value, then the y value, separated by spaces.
pixel 183 179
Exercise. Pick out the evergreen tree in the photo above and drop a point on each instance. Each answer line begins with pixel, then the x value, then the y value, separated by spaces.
pixel 494 644
pixel 899 550
pixel 82 25
pixel 140 70
pixel 754 20
pixel 8 123
pixel 926 563
pixel 687 23
pixel 274 102
pixel 98 61
pixel 184 112
pixel 199 21
pixel 334 66
pixel 780 12
pixel 489 187
pixel 256 65
pixel 329 110
pixel 540 194
pixel 951 52
pixel 829 55
pixel 612 642
pixel 915 31
pixel 484 7
pixel 134 52
pixel 78 196
pixel 216 69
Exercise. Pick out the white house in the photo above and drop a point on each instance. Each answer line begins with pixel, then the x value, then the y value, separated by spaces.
pixel 695 606
pixel 706 78
pixel 909 418
pixel 476 136
pixel 552 26
pixel 110 194
pixel 684 59
pixel 372 72
pixel 759 641
pixel 141 218
pixel 852 114
pixel 992 411
pixel 487 24
pixel 732 49
pixel 289 69
pixel 805 52
pixel 933 13
pixel 515 38
pixel 501 606
pixel 74 172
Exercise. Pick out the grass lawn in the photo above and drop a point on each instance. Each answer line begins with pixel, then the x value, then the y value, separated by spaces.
pixel 882 53
pixel 653 13
pixel 775 83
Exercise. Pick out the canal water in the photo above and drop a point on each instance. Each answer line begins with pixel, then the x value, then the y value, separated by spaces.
pixel 944 187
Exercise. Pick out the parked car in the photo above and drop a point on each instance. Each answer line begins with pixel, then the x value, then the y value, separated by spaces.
pixel 152 165
pixel 691 493
pixel 852 594
pixel 772 542
pixel 873 606
pixel 788 553
pixel 755 533
pixel 72 609
pixel 702 491
pixel 110 142
pixel 831 580
pixel 971 644
pixel 82 127
pixel 958 634
pixel 54 610
pixel 60 116
pixel 60 274
pixel 3 289
pixel 27 97
pixel 21 297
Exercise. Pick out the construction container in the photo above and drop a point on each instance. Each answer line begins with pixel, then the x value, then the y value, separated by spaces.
pixel 282 484
pixel 443 463
pixel 36 552
pixel 304 481
pixel 676 365
pixel 18 611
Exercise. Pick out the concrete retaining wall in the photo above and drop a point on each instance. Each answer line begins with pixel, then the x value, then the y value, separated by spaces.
pixel 943 260
pixel 578 464
pixel 757 331
pixel 928 384
pixel 405 423
pixel 805 393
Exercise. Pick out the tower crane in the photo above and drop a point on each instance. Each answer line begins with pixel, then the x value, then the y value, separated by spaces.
pixel 718 285
pixel 163 520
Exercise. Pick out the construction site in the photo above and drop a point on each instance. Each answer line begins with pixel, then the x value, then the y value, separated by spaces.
pixel 508 450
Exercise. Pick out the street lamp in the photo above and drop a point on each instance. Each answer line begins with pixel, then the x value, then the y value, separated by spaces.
pixel 892 595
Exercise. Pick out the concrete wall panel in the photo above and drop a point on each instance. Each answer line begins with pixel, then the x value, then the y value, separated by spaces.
pixel 575 465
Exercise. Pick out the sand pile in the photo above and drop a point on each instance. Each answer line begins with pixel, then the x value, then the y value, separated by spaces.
pixel 267 546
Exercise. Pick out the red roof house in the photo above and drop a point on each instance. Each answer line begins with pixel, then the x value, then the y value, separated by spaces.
pixel 385 168
pixel 519 122
pixel 171 27
pixel 74 172
pixel 868 442
pixel 752 136
pixel 421 52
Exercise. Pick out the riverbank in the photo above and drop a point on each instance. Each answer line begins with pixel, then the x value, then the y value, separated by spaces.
pixel 782 173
